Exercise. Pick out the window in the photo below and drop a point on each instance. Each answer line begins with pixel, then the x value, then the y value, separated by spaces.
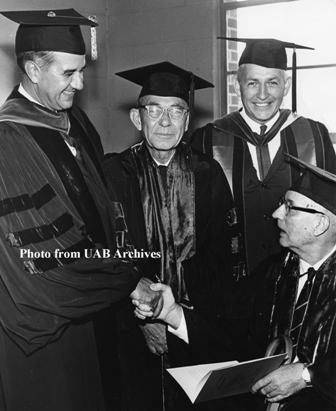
pixel 305 22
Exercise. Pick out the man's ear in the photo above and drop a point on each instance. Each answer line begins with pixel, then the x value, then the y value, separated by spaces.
pixel 288 83
pixel 187 123
pixel 322 225
pixel 236 86
pixel 135 118
pixel 32 71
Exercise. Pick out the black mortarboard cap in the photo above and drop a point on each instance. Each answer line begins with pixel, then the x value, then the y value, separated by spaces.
pixel 270 53
pixel 165 79
pixel 317 184
pixel 50 30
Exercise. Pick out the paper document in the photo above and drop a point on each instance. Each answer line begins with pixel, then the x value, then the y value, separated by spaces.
pixel 212 381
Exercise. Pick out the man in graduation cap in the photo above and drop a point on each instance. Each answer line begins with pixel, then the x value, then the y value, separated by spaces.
pixel 303 282
pixel 57 226
pixel 249 144
pixel 178 206
pixel 290 294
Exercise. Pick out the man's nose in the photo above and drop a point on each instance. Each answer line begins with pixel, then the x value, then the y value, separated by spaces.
pixel 77 81
pixel 280 212
pixel 262 92
pixel 165 119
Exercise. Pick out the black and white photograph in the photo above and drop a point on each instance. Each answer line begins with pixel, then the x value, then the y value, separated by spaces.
pixel 167 205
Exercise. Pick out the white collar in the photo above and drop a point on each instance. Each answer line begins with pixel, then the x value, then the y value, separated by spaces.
pixel 254 126
pixel 304 265
pixel 27 95
pixel 166 163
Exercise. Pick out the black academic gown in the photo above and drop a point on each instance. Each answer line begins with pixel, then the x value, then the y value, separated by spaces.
pixel 263 309
pixel 48 202
pixel 226 140
pixel 207 274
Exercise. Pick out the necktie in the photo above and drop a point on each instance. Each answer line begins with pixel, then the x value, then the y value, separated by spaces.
pixel 263 156
pixel 300 309
pixel 73 142
pixel 163 172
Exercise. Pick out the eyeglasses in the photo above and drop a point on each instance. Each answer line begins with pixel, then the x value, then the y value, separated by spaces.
pixel 289 207
pixel 156 112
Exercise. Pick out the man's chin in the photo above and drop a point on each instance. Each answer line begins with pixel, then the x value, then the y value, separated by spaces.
pixel 262 116
pixel 283 242
pixel 163 147
pixel 66 106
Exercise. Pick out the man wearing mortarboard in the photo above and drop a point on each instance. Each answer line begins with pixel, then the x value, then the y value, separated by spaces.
pixel 291 296
pixel 55 215
pixel 177 204
pixel 249 143
pixel 303 281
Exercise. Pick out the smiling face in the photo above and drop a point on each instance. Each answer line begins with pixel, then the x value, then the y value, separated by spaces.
pixel 56 85
pixel 164 134
pixel 261 90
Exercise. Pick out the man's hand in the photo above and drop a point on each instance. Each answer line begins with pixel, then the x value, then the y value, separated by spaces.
pixel 146 295
pixel 155 336
pixel 171 312
pixel 281 383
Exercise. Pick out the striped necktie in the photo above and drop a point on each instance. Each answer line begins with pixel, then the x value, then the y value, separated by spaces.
pixel 300 309
pixel 263 155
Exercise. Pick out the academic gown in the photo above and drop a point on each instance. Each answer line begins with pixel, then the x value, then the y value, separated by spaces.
pixel 207 274
pixel 49 202
pixel 262 310
pixel 317 341
pixel 226 140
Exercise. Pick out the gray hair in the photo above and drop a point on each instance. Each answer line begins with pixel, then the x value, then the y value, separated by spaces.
pixel 43 59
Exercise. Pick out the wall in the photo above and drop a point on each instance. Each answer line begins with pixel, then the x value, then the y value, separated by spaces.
pixel 143 32
pixel 131 33
pixel 94 98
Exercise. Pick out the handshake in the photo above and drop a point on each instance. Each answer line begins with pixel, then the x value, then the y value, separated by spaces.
pixel 151 300
pixel 156 301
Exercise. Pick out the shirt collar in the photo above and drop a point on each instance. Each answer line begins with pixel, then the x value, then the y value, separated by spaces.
pixel 254 126
pixel 304 265
pixel 166 164
pixel 28 96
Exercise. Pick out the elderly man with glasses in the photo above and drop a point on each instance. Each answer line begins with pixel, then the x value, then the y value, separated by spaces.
pixel 291 294
pixel 304 305
pixel 178 208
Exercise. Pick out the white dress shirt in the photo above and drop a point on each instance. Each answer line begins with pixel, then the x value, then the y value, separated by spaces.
pixel 28 96
pixel 304 268
pixel 22 91
pixel 182 331
pixel 274 144
pixel 166 164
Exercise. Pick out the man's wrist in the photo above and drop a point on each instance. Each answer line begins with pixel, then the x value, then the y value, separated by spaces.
pixel 181 332
pixel 306 375
pixel 173 319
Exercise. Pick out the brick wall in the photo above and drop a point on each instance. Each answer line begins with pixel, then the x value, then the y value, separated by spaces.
pixel 232 59
pixel 131 33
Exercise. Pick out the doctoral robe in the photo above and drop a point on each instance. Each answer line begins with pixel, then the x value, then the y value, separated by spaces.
pixel 49 201
pixel 207 270
pixel 226 141
pixel 262 310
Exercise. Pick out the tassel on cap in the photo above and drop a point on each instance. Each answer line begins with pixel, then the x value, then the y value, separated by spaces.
pixel 94 50
pixel 52 30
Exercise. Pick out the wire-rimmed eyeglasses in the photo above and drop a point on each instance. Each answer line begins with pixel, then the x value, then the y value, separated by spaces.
pixel 156 112
pixel 288 207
